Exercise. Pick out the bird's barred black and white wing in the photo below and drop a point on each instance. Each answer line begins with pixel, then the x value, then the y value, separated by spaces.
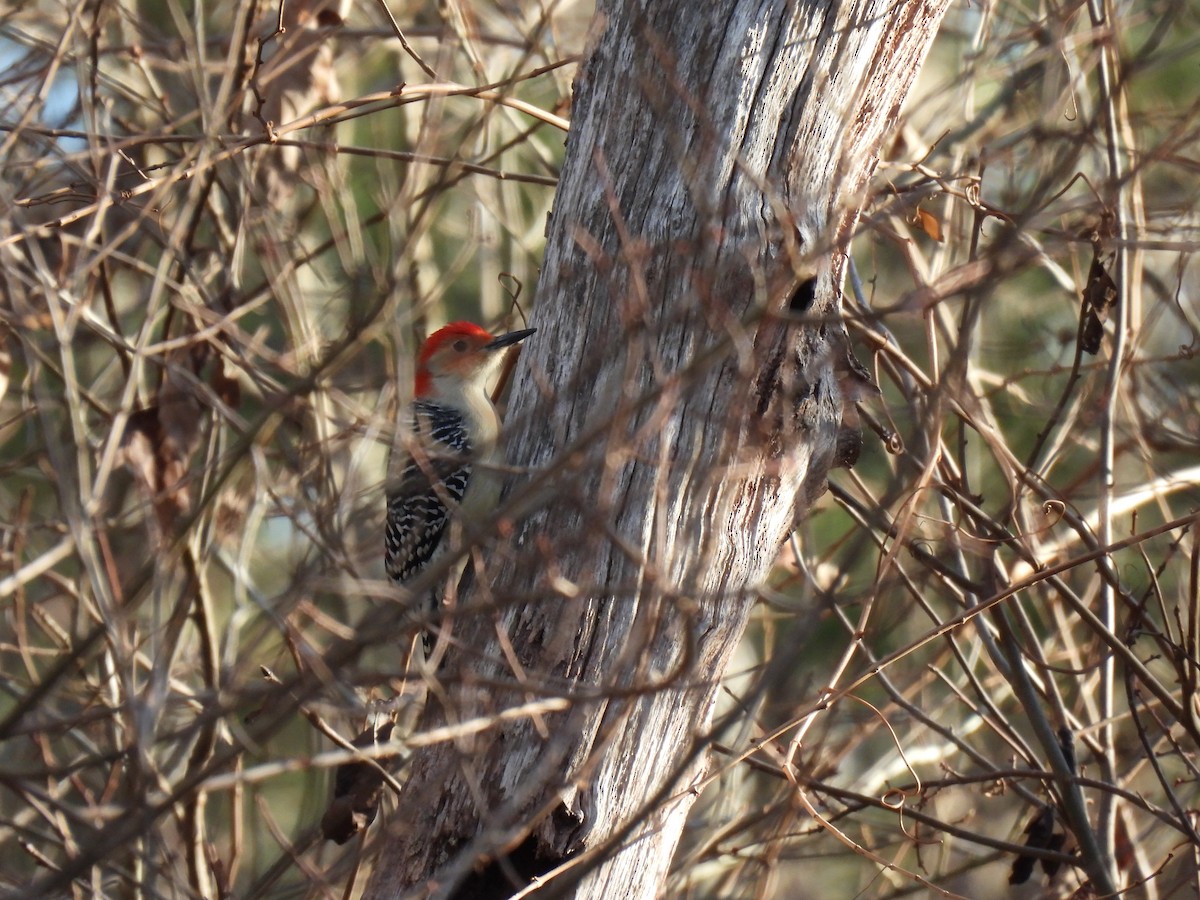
pixel 433 480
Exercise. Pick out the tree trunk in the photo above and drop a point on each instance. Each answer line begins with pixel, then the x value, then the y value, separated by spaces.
pixel 677 412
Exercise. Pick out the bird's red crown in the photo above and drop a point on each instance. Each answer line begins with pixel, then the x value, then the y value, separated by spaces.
pixel 473 338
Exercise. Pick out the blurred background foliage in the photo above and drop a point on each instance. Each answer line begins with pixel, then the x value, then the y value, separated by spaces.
pixel 220 241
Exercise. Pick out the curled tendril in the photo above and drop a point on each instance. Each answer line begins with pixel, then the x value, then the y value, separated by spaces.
pixel 894 799
pixel 1056 509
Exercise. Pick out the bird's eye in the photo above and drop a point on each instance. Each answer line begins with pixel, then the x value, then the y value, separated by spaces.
pixel 460 345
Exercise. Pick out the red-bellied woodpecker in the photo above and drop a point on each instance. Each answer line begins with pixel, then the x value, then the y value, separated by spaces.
pixel 446 475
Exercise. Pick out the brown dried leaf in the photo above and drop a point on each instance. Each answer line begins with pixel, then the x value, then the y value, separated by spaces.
pixel 1099 296
pixel 357 790
pixel 930 224
pixel 158 445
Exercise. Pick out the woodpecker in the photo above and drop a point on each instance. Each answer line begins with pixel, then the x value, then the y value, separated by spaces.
pixel 445 476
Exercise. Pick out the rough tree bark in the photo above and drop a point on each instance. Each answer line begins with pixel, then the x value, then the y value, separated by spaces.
pixel 677 411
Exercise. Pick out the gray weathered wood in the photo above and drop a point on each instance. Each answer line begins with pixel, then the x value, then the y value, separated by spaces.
pixel 675 419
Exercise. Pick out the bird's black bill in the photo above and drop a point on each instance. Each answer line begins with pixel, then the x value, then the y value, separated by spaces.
pixel 506 340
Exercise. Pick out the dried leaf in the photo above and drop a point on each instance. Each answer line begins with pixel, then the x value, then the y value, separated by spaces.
pixel 930 224
pixel 1093 333
pixel 1099 296
pixel 357 790
pixel 1041 837
pixel 159 442
pixel 299 74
